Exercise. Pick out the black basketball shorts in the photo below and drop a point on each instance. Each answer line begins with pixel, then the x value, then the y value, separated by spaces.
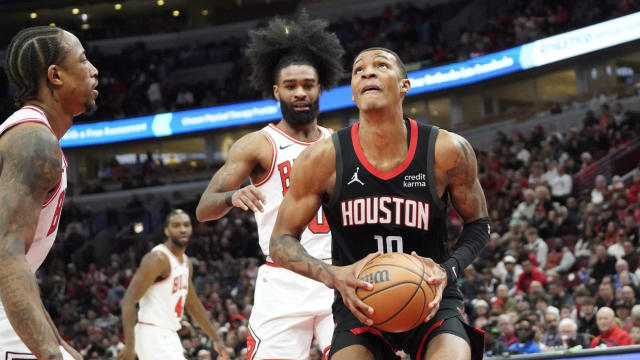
pixel 350 331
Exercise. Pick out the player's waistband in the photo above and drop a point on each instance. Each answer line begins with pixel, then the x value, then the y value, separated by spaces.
pixel 146 323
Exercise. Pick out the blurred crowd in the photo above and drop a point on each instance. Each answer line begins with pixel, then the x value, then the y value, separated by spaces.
pixel 140 81
pixel 560 270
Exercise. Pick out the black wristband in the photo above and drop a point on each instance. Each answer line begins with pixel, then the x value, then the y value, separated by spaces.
pixel 228 198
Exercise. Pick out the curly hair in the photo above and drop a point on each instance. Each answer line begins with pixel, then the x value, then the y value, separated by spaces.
pixel 29 54
pixel 301 41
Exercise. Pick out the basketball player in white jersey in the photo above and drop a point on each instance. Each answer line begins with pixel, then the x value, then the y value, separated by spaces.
pixel 292 61
pixel 162 285
pixel 54 82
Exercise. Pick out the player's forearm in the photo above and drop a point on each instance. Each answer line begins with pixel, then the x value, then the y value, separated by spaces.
pixel 53 325
pixel 129 318
pixel 286 251
pixel 199 314
pixel 21 300
pixel 214 205
pixel 473 239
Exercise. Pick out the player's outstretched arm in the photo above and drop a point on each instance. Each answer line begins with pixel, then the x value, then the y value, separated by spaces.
pixel 199 314
pixel 154 266
pixel 222 193
pixel 31 166
pixel 456 165
pixel 313 176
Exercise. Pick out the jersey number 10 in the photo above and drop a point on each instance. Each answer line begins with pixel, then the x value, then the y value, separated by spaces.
pixel 390 241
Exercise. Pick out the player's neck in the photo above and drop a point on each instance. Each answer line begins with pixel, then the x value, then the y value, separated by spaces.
pixel 306 132
pixel 58 120
pixel 382 134
pixel 178 251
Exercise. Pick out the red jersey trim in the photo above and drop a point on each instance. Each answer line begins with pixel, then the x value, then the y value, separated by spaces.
pixel 181 262
pixel 325 353
pixel 144 323
pixel 296 140
pixel 273 161
pixel 54 194
pixel 386 175
pixel 268 263
pixel 35 108
pixel 420 355
pixel 370 330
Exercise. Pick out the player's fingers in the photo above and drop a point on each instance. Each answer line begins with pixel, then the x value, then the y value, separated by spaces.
pixel 357 283
pixel 256 204
pixel 432 313
pixel 258 194
pixel 436 280
pixel 359 311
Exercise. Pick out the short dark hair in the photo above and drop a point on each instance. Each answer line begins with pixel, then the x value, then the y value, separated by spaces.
pixel 302 41
pixel 30 52
pixel 403 69
pixel 175 212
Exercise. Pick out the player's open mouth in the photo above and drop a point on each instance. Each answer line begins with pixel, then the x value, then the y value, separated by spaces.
pixel 370 89
pixel 301 106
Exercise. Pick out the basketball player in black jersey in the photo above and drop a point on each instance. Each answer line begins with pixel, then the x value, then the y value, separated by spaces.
pixel 384 184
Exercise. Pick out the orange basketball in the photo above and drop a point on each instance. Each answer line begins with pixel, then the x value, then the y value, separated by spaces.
pixel 400 293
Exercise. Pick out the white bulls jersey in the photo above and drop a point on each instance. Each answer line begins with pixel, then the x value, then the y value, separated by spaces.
pixel 316 238
pixel 163 303
pixel 50 213
pixel 47 227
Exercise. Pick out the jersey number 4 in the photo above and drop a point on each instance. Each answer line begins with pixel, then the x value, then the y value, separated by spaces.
pixel 179 308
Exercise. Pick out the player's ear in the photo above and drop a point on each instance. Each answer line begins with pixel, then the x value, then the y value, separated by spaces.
pixel 405 86
pixel 276 92
pixel 53 75
pixel 166 232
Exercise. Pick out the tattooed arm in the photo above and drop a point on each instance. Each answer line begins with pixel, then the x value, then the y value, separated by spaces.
pixel 312 176
pixel 457 169
pixel 222 192
pixel 30 167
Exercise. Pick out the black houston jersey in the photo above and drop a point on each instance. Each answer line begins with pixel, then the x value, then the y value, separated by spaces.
pixel 394 211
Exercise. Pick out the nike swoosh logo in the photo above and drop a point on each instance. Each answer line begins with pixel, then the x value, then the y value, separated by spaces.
pixel 282 147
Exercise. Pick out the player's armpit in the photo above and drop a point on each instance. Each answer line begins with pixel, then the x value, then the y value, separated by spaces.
pixel 242 160
pixel 456 159
pixel 154 266
pixel 31 167
pixel 312 176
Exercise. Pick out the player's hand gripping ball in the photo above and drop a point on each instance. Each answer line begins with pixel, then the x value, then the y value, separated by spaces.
pixel 400 293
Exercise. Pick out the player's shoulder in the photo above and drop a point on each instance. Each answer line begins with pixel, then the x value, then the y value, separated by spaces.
pixel 253 143
pixel 321 152
pixel 155 259
pixel 450 147
pixel 31 144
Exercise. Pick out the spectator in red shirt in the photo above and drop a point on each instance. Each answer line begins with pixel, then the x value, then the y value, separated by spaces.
pixel 529 274
pixel 610 334
pixel 634 189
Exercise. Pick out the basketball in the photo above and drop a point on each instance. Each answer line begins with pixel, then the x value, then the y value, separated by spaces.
pixel 400 293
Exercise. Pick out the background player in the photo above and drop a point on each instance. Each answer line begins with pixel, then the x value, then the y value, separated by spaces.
pixel 54 82
pixel 163 287
pixel 406 172
pixel 293 61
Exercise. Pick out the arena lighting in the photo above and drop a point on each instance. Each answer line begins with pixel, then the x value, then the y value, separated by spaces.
pixel 160 2
pixel 205 12
pixel 538 53
pixel 52 24
pixel 85 26
pixel 176 13
pixel 75 11
pixel 33 15
pixel 84 17
pixel 117 6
